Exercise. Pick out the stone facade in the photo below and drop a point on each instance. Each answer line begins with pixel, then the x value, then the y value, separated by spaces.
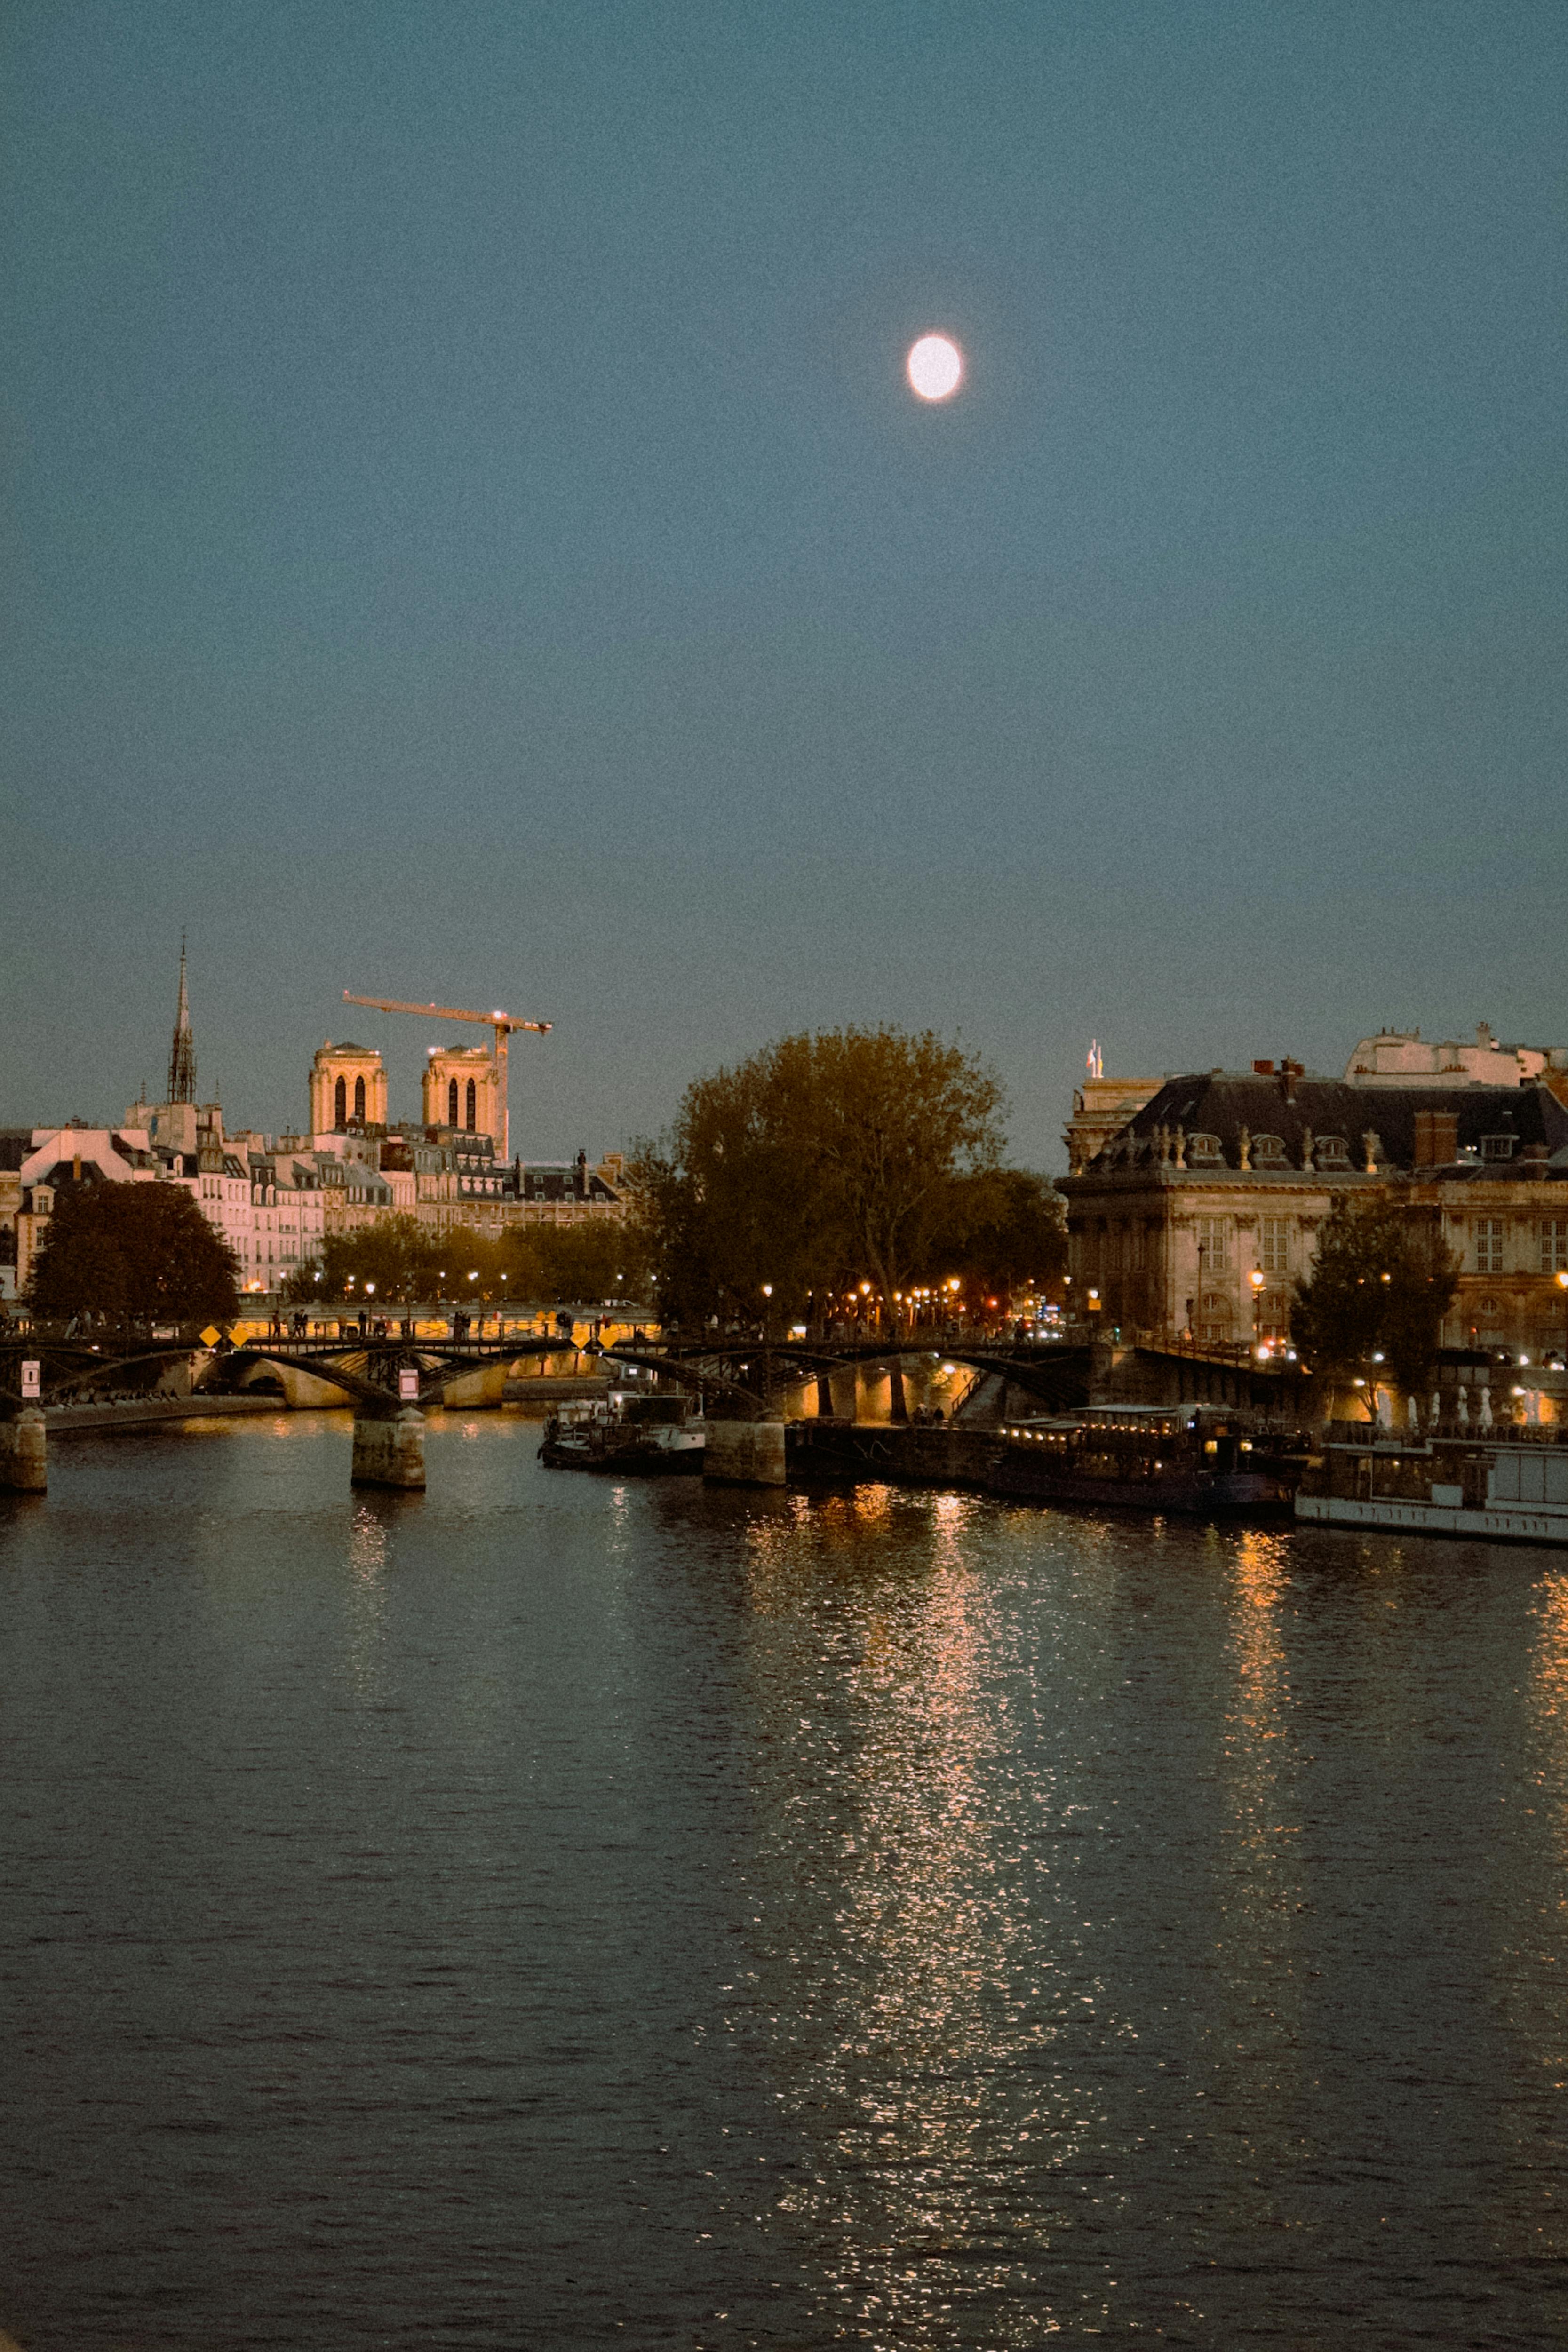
pixel 1403 1058
pixel 462 1089
pixel 348 1089
pixel 1224 1176
pixel 1102 1108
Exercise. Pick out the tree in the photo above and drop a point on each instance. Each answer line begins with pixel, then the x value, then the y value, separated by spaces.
pixel 1009 1233
pixel 131 1253
pixel 596 1258
pixel 408 1262
pixel 1381 1285
pixel 820 1160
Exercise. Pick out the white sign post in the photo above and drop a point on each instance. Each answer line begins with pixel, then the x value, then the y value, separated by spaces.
pixel 408 1385
pixel 32 1380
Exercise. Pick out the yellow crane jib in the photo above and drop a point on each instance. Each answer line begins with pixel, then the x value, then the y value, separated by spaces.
pixel 503 1023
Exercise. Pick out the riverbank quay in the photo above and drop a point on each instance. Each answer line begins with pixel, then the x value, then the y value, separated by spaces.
pixel 840 1453
pixel 548 1389
pixel 152 1412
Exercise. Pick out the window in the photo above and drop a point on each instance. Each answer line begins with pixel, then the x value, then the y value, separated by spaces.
pixel 1267 1150
pixel 339 1105
pixel 469 1121
pixel 452 1104
pixel 1214 1244
pixel 1333 1152
pixel 1205 1148
pixel 359 1099
pixel 1489 1244
pixel 1554 1244
pixel 1275 1245
pixel 1498 1147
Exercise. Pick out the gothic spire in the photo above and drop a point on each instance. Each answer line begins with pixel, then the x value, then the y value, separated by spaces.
pixel 183 1052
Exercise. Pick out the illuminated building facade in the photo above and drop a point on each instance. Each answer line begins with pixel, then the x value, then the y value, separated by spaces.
pixel 1223 1176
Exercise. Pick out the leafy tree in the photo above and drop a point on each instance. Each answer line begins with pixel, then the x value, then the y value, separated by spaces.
pixel 132 1252
pixel 407 1262
pixel 1381 1285
pixel 599 1257
pixel 819 1160
pixel 1009 1233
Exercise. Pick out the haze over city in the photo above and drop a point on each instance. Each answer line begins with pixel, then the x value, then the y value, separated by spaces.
pixel 473 537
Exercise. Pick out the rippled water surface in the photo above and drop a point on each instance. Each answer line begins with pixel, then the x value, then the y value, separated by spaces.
pixel 549 1913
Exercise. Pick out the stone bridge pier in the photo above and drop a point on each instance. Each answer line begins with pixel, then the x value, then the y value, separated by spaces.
pixel 24 1452
pixel 389 1450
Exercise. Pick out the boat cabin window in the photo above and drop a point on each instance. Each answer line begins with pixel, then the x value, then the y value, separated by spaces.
pixel 653 1410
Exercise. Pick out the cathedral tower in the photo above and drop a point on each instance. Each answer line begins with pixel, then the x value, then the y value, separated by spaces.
pixel 462 1089
pixel 348 1089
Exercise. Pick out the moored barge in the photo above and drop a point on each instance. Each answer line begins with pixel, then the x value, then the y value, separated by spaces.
pixel 1198 1460
pixel 645 1436
pixel 1447 1486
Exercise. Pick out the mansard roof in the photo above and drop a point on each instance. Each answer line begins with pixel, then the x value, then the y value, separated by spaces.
pixel 1220 1103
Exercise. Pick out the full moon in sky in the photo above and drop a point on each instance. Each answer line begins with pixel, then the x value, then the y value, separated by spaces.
pixel 936 367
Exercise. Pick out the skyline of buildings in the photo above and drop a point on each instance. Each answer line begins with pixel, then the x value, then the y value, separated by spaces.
pixel 1194 1200
pixel 275 1198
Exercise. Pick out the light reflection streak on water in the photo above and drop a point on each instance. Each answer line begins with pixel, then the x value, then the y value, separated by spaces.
pixel 367 1597
pixel 921 2073
pixel 1260 1894
pixel 1531 1962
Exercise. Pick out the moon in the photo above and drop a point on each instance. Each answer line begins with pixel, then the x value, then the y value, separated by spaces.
pixel 935 367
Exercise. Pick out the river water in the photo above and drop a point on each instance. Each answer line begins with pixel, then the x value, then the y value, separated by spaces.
pixel 552 1912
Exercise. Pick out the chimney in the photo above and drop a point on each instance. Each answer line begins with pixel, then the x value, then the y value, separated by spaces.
pixel 1436 1139
pixel 1263 1070
pixel 1290 1072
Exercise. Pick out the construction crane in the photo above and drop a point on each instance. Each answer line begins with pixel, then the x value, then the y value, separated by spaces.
pixel 502 1023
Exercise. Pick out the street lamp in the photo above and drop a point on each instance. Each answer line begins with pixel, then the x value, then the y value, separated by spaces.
pixel 1256 1278
pixel 1562 1286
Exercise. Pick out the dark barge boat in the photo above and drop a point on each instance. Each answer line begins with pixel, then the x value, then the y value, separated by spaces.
pixel 643 1437
pixel 1199 1460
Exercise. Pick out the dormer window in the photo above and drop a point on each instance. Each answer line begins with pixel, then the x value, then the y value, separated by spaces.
pixel 1333 1152
pixel 1269 1152
pixel 1204 1150
pixel 1498 1147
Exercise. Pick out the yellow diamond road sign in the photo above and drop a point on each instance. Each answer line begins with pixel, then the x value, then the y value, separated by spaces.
pixel 211 1335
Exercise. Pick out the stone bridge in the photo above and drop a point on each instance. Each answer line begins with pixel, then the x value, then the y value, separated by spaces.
pixel 391 1382
pixel 872 1379
pixel 388 1382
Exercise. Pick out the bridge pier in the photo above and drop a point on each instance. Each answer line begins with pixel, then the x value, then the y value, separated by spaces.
pixel 745 1452
pixel 389 1452
pixel 24 1452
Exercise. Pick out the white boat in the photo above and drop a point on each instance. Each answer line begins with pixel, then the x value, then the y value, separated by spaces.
pixel 1499 1492
pixel 660 1435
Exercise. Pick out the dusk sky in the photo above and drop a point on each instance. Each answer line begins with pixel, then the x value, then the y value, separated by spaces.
pixel 469 536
